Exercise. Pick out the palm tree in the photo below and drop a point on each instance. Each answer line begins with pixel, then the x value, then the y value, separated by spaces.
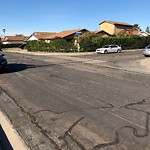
pixel 4 30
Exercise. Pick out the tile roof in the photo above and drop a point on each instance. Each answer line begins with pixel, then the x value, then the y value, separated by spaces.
pixel 14 38
pixel 65 33
pixel 42 35
pixel 96 31
pixel 116 23
pixel 101 31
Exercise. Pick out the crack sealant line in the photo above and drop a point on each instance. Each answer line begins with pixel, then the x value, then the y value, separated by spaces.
pixel 122 118
pixel 94 105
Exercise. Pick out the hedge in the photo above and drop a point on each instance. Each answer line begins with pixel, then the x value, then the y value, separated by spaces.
pixel 88 43
pixel 55 45
pixel 129 42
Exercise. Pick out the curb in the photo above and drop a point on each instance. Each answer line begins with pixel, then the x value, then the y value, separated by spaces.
pixel 14 139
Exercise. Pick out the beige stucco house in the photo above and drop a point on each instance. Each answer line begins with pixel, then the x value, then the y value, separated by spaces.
pixel 114 28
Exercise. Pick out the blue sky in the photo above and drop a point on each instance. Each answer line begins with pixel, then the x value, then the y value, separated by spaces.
pixel 28 16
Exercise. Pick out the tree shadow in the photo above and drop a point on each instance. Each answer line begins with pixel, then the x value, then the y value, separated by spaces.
pixel 14 67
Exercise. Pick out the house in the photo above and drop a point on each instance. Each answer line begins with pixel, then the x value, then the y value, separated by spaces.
pixel 67 34
pixel 40 35
pixel 102 33
pixel 47 36
pixel 18 39
pixel 143 33
pixel 114 28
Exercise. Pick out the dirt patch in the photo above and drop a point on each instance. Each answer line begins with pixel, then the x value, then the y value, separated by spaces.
pixel 145 63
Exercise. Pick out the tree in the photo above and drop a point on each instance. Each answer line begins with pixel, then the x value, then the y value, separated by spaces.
pixel 147 30
pixel 4 30
pixel 136 26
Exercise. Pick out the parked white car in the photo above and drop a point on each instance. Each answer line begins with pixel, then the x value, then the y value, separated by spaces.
pixel 109 49
pixel 146 51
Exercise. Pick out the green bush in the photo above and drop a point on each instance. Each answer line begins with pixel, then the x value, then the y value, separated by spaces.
pixel 88 43
pixel 60 45
pixel 55 45
pixel 36 46
pixel 127 42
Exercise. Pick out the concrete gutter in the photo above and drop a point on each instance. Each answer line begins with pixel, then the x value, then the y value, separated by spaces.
pixel 15 140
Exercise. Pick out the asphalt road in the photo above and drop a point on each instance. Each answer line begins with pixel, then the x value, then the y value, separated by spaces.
pixel 78 102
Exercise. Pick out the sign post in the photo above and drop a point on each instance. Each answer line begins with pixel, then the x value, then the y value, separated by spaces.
pixel 78 45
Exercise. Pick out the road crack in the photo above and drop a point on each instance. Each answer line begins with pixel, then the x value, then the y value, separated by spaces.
pixel 69 134
pixel 134 130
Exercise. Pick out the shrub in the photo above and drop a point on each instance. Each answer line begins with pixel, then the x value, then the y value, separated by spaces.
pixel 128 42
pixel 88 43
pixel 58 44
pixel 55 45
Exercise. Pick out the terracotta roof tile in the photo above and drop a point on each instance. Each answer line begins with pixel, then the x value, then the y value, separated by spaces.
pixel 15 38
pixel 65 33
pixel 116 23
pixel 42 35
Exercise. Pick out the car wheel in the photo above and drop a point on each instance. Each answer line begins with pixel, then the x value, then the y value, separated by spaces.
pixel 146 55
pixel 118 51
pixel 105 52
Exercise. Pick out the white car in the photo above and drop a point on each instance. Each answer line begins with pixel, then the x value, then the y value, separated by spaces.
pixel 146 51
pixel 109 49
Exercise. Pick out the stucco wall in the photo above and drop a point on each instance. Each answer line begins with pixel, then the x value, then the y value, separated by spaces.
pixel 109 28
pixel 119 28
pixel 32 38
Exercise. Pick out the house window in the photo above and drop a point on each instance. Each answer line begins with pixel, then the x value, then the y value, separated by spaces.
pixel 125 28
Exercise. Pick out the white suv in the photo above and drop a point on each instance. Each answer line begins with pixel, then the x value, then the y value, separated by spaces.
pixel 109 49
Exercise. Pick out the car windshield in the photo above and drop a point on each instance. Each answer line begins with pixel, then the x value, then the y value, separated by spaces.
pixel 106 46
pixel 148 47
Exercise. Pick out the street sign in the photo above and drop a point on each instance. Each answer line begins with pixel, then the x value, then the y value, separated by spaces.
pixel 78 33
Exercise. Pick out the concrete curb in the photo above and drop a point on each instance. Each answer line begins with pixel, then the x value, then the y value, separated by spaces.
pixel 15 140
pixel 20 127
pixel 57 53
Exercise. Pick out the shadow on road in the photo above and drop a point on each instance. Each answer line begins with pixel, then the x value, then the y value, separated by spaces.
pixel 14 67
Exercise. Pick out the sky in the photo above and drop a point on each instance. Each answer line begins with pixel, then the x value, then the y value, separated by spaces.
pixel 28 16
